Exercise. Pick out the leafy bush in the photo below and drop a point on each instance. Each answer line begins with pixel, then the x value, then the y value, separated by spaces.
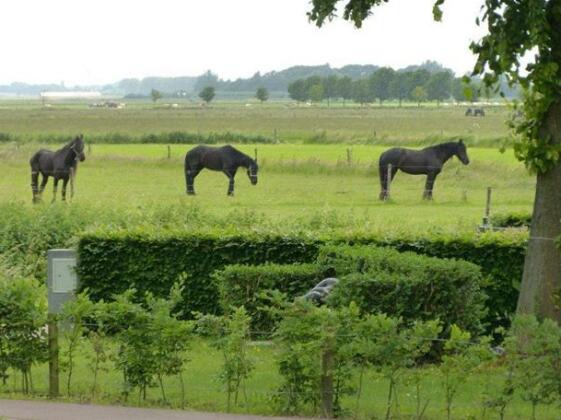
pixel 23 338
pixel 245 285
pixel 406 285
pixel 313 357
pixel 515 220
pixel 533 353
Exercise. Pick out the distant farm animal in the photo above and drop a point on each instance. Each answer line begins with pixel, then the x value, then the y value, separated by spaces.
pixel 226 159
pixel 428 161
pixel 475 112
pixel 61 164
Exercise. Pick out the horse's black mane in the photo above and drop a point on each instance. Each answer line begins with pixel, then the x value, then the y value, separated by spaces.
pixel 446 146
pixel 246 159
pixel 449 148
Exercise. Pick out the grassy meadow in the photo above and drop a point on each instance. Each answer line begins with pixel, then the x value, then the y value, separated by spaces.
pixel 282 121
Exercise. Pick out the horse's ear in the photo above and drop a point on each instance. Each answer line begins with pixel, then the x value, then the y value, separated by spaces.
pixel 461 141
pixel 81 137
pixel 255 151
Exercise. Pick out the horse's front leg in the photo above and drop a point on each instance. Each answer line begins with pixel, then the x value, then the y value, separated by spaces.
pixel 43 184
pixel 55 187
pixel 230 175
pixel 431 177
pixel 64 183
pixel 72 176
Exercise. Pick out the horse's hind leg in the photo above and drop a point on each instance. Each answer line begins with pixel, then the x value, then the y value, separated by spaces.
pixel 427 194
pixel 384 181
pixel 190 175
pixel 43 184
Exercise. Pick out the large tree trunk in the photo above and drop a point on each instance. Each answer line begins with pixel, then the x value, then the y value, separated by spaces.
pixel 540 292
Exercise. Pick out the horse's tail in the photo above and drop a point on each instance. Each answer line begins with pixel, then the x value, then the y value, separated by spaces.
pixel 383 174
pixel 187 169
pixel 34 163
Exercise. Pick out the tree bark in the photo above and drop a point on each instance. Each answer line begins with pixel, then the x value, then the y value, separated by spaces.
pixel 540 292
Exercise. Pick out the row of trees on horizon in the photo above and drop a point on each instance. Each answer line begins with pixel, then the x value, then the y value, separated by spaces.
pixel 387 84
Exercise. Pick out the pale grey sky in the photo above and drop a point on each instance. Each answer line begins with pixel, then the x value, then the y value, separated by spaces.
pixel 102 41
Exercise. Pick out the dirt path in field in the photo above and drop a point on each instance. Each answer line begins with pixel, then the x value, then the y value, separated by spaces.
pixel 44 410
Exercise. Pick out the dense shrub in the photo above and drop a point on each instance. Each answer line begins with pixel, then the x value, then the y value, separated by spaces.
pixel 516 220
pixel 500 256
pixel 113 262
pixel 406 285
pixel 245 285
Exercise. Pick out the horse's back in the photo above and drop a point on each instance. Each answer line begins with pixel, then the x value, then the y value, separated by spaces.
pixel 203 156
pixel 391 156
pixel 42 160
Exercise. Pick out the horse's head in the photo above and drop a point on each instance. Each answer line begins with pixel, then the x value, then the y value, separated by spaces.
pixel 252 170
pixel 461 152
pixel 78 148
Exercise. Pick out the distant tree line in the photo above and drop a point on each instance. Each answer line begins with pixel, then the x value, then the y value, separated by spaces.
pixel 385 84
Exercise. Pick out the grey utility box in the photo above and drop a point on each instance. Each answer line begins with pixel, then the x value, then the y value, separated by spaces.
pixel 62 280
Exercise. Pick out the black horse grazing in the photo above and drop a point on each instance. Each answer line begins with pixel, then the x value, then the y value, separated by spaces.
pixel 427 161
pixel 61 164
pixel 226 159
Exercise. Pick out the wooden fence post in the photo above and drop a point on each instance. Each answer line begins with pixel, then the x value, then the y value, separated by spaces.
pixel 487 217
pixel 53 355
pixel 349 156
pixel 169 151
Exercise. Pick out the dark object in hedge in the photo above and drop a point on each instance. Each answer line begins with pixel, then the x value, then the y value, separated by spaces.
pixel 428 161
pixel 321 291
pixel 226 159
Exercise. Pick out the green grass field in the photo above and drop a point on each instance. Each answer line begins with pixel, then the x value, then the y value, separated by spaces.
pixel 303 183
pixel 283 121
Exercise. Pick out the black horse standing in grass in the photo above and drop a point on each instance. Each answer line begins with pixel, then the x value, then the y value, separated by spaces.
pixel 226 159
pixel 61 164
pixel 428 161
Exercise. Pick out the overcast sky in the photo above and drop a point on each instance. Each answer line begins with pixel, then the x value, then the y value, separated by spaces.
pixel 102 41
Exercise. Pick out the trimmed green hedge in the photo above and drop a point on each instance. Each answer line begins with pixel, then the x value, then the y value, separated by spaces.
pixel 243 285
pixel 406 285
pixel 111 262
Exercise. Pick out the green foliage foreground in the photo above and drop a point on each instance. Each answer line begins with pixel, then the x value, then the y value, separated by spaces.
pixel 369 363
